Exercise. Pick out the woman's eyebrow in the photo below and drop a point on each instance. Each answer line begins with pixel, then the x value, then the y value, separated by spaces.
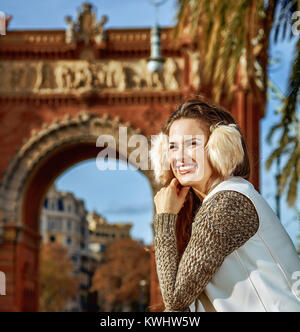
pixel 186 141
pixel 171 142
pixel 192 139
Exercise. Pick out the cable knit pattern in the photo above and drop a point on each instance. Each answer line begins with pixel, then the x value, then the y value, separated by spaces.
pixel 222 224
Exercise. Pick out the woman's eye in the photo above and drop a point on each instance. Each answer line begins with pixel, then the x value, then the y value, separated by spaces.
pixel 193 144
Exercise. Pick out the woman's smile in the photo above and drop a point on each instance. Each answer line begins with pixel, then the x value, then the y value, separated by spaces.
pixel 186 168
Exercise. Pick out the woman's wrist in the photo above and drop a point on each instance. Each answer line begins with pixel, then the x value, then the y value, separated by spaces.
pixel 164 222
pixel 169 211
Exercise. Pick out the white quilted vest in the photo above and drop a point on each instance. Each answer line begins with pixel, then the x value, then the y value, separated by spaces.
pixel 262 274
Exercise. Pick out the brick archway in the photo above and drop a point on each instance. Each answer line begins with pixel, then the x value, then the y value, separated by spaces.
pixel 46 155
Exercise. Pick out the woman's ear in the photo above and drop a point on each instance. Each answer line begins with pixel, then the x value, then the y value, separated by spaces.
pixel 159 157
pixel 224 149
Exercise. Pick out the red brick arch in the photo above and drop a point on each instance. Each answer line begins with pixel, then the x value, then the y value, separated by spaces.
pixel 37 164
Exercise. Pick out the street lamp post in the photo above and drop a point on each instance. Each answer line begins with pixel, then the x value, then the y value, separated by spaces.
pixel 156 61
pixel 142 294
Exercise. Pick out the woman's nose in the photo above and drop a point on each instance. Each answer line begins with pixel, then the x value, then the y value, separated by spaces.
pixel 180 155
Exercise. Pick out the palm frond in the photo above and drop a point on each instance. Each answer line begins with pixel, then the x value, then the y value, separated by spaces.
pixel 289 119
pixel 293 185
pixel 222 38
pixel 287 171
pixel 282 22
pixel 272 130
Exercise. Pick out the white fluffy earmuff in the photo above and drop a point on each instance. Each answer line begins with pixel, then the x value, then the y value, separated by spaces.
pixel 160 159
pixel 224 148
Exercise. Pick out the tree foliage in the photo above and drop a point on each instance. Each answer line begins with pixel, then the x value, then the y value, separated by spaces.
pixel 117 280
pixel 57 281
pixel 289 126
pixel 228 34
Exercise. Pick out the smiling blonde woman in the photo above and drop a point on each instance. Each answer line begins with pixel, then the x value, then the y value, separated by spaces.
pixel 218 244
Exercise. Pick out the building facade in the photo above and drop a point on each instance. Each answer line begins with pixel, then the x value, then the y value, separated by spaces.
pixel 63 220
pixel 102 233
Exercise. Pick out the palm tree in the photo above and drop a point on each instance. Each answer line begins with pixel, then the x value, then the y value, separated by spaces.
pixel 290 135
pixel 229 33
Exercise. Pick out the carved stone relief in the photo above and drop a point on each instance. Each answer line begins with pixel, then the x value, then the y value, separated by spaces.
pixel 86 29
pixel 78 76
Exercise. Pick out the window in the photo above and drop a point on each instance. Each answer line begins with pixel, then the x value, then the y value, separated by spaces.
pixel 74 259
pixel 52 238
pixel 82 245
pixel 69 225
pixel 58 224
pixel 102 248
pixel 51 225
pixel 60 205
pixel 100 234
pixel 46 203
pixel 68 241
pixel 53 206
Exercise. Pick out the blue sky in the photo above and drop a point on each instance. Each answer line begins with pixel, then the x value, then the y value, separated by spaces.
pixel 49 14
pixel 125 196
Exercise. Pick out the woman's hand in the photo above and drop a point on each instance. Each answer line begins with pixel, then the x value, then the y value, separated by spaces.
pixel 170 199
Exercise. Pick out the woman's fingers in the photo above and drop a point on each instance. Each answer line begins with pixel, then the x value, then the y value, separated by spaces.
pixel 171 198
pixel 174 182
pixel 184 191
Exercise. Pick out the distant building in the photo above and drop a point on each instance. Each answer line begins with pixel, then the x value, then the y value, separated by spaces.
pixel 63 220
pixel 102 233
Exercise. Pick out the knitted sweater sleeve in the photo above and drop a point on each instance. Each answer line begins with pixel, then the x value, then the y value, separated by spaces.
pixel 222 224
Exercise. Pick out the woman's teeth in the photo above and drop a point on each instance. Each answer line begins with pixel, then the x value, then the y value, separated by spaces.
pixel 186 169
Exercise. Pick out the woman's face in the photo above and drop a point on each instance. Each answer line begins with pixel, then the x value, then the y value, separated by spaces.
pixel 187 155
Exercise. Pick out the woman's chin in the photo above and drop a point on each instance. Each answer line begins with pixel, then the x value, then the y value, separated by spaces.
pixel 185 182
